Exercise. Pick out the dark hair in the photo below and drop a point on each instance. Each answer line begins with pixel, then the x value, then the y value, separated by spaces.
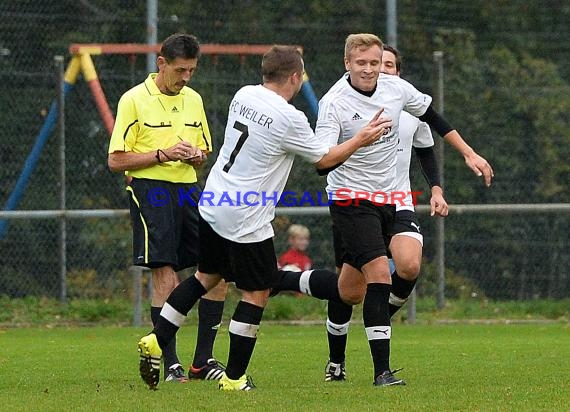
pixel 180 45
pixel 280 62
pixel 396 54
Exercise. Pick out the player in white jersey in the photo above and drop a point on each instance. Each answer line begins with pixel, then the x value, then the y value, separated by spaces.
pixel 362 210
pixel 406 240
pixel 263 134
pixel 257 117
pixel 363 187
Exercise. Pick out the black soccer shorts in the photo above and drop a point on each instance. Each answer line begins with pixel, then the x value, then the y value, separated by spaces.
pixel 252 266
pixel 362 231
pixel 165 223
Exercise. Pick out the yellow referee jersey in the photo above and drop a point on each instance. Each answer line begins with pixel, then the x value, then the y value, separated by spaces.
pixel 148 120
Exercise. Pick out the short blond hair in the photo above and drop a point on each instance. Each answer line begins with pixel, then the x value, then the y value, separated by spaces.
pixel 298 230
pixel 358 40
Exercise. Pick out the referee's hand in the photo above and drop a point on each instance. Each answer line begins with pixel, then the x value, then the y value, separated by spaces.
pixel 197 159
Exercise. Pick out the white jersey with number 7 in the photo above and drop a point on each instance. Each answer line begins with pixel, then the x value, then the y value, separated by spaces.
pixel 263 134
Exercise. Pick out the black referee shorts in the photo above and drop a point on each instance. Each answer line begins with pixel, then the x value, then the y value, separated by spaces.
pixel 165 223
pixel 252 266
pixel 361 232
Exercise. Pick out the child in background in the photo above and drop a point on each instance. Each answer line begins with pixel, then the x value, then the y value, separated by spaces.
pixel 295 258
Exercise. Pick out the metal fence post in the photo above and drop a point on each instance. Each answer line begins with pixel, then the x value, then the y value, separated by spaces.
pixel 439 224
pixel 392 23
pixel 59 63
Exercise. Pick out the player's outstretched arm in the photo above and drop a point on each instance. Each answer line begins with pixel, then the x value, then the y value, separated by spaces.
pixel 474 161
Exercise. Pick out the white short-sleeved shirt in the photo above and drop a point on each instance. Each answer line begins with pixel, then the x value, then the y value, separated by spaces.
pixel 412 133
pixel 343 112
pixel 263 134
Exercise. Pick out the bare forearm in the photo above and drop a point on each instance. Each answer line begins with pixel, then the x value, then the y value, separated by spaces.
pixel 121 161
pixel 182 151
pixel 455 140
pixel 376 128
pixel 338 154
pixel 476 163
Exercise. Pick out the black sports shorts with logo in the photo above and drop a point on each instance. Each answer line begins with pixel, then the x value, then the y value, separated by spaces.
pixel 405 221
pixel 363 230
pixel 165 223
pixel 252 266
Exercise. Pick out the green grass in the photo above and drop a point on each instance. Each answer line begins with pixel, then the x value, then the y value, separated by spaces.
pixel 459 367
pixel 38 311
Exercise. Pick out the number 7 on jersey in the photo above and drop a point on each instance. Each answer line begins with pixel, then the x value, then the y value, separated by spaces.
pixel 241 140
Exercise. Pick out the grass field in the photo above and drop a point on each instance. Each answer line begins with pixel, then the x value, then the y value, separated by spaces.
pixel 459 367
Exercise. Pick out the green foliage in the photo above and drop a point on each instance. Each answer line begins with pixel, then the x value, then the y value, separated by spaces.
pixel 532 89
pixel 518 124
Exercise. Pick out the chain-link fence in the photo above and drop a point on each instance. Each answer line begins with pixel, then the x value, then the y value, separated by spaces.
pixel 506 88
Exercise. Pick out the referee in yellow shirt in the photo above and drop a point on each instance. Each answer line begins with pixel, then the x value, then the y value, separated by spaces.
pixel 161 135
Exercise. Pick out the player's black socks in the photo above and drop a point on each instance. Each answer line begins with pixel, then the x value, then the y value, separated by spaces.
pixel 401 290
pixel 338 321
pixel 376 317
pixel 209 319
pixel 322 284
pixel 319 283
pixel 176 308
pixel 288 281
pixel 168 351
pixel 243 335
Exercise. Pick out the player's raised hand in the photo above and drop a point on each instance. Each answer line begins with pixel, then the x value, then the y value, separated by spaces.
pixel 376 116
pixel 377 127
pixel 384 122
pixel 480 167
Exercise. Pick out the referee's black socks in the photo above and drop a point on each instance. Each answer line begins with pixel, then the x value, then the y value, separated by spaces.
pixel 176 308
pixel 209 320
